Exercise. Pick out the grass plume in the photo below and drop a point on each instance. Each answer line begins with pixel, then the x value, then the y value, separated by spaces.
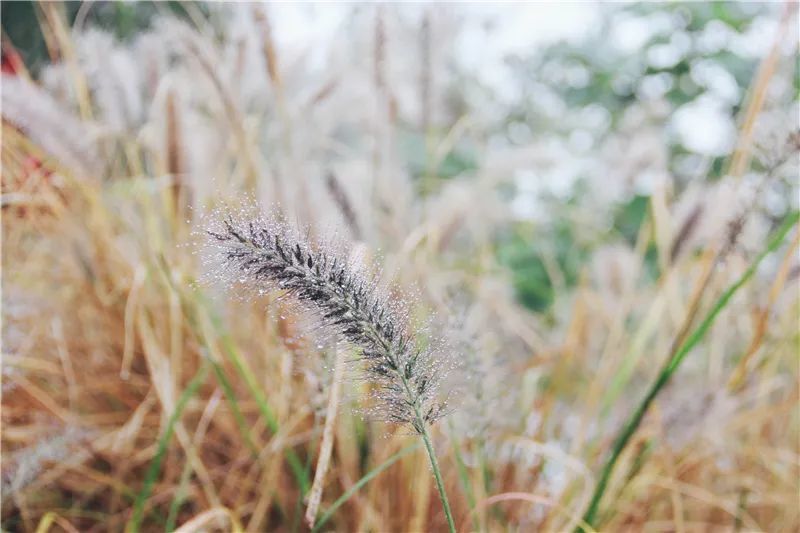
pixel 406 378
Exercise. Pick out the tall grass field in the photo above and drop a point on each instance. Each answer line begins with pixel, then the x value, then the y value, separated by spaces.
pixel 368 267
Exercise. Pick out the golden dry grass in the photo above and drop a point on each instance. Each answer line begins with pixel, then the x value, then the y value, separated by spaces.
pixel 105 327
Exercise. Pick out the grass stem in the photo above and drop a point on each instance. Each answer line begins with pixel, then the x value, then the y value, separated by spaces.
pixel 438 475
pixel 672 365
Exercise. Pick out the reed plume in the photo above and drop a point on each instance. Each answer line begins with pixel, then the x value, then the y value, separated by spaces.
pixel 406 378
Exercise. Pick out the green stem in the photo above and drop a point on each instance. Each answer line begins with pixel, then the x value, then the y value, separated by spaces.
pixel 672 365
pixel 419 424
pixel 422 427
pixel 438 475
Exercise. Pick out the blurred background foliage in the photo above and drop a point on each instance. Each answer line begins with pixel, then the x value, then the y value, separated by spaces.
pixel 658 59
pixel 21 23
pixel 683 56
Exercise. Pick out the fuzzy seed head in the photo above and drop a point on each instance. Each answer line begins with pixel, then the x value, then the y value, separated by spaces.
pixel 404 377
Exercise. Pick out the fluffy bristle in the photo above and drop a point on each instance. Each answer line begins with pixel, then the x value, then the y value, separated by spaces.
pixel 270 255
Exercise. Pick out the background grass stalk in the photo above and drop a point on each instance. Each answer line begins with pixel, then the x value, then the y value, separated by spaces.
pixel 155 466
pixel 463 475
pixel 361 482
pixel 180 497
pixel 246 373
pixel 326 447
pixel 672 365
pixel 197 302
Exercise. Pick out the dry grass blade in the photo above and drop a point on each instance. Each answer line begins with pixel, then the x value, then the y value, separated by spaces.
pixel 737 378
pixel 672 364
pixel 532 221
pixel 325 449
pixel 211 517
pixel 155 465
pixel 369 476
